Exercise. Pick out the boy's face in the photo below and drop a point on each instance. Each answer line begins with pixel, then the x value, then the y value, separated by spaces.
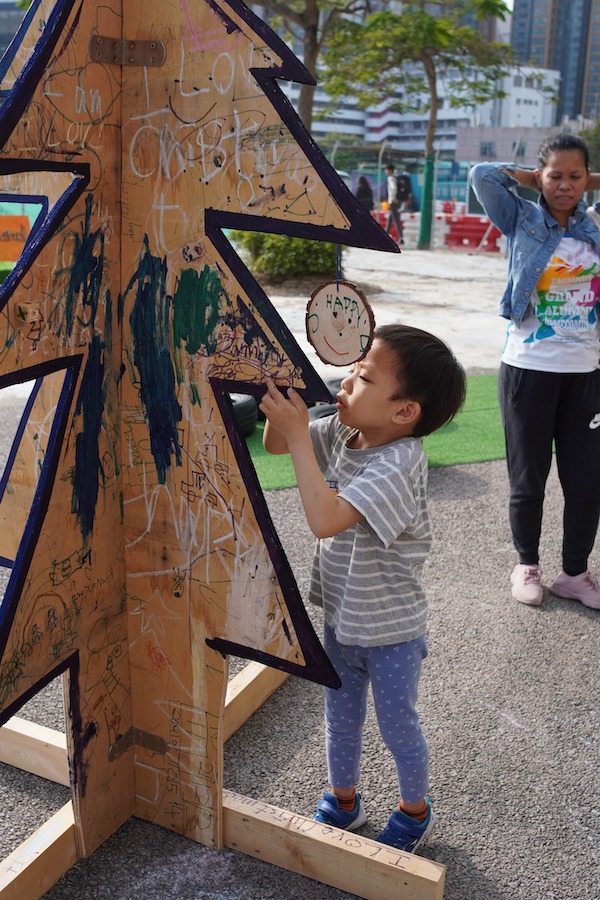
pixel 364 400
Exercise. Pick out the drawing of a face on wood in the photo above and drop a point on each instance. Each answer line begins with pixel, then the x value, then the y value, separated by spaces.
pixel 339 323
pixel 136 542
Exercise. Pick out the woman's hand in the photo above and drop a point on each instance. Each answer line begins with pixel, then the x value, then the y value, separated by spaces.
pixel 527 178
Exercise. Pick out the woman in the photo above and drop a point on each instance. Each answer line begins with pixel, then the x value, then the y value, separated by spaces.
pixel 549 384
pixel 364 194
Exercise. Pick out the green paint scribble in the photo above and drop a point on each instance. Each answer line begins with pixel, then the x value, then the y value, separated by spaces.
pixel 195 315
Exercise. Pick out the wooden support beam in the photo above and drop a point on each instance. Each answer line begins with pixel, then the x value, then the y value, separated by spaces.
pixel 339 858
pixel 38 863
pixel 36 749
pixel 247 692
pixel 43 751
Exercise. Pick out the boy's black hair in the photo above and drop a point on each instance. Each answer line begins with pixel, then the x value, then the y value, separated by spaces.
pixel 427 372
pixel 563 141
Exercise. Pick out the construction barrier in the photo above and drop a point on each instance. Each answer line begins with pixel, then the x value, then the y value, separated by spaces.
pixel 458 232
pixel 13 234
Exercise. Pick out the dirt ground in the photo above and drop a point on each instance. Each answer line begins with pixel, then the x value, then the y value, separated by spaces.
pixel 452 293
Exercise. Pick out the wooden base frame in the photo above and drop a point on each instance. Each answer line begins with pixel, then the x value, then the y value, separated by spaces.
pixel 354 864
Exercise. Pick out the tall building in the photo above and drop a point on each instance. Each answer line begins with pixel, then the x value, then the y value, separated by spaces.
pixel 563 35
pixel 11 17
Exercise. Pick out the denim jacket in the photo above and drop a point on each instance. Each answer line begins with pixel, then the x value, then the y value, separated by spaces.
pixel 532 232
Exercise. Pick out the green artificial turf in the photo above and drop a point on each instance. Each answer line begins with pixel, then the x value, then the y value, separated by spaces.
pixel 475 435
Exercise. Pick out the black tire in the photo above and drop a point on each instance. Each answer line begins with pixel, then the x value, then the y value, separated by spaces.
pixel 334 385
pixel 321 411
pixel 245 411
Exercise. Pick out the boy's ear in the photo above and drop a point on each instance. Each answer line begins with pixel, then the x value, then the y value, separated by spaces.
pixel 407 413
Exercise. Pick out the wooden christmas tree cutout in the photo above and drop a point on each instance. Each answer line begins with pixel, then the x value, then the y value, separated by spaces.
pixel 137 543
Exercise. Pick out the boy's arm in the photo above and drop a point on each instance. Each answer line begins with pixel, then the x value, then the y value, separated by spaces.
pixel 274 441
pixel 326 513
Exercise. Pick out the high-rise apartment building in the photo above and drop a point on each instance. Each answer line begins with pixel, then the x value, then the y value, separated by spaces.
pixel 563 35
pixel 11 17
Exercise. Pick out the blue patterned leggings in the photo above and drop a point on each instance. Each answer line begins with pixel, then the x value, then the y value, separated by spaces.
pixel 393 672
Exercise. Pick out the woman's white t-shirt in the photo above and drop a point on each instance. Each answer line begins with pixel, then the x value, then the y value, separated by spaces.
pixel 561 332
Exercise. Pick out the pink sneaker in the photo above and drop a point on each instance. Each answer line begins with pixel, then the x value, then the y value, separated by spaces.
pixel 582 587
pixel 527 585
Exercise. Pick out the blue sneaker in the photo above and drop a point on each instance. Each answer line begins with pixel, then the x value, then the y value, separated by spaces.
pixel 405 833
pixel 329 813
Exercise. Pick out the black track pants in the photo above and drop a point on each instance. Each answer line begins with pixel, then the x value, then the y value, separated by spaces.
pixel 539 408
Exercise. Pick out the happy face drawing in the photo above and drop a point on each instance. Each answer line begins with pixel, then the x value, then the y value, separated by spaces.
pixel 339 323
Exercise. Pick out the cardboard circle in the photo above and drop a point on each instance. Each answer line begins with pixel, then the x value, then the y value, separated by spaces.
pixel 339 323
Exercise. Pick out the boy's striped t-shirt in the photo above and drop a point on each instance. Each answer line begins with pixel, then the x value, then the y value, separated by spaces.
pixel 368 578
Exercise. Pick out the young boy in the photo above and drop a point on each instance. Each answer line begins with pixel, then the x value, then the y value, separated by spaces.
pixel 362 478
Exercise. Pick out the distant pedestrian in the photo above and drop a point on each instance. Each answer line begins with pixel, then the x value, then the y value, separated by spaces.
pixel 549 385
pixel 398 194
pixel 362 477
pixel 364 194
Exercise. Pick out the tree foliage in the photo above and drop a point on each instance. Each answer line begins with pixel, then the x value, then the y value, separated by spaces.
pixel 309 23
pixel 401 59
pixel 281 257
pixel 592 136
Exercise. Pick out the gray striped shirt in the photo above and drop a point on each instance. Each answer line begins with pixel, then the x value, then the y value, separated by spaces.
pixel 368 578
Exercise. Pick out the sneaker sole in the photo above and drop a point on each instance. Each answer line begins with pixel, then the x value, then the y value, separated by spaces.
pixel 426 833
pixel 534 602
pixel 356 823
pixel 573 597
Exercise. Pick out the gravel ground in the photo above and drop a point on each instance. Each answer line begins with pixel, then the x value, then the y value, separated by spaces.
pixel 510 695
pixel 510 702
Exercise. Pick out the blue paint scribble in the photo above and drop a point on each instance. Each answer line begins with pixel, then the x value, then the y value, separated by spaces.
pixel 85 274
pixel 150 322
pixel 88 468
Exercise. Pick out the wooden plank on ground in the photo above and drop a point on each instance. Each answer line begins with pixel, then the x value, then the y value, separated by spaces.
pixel 339 858
pixel 38 863
pixel 247 692
pixel 36 749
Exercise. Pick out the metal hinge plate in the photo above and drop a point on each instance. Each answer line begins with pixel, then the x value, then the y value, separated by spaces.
pixel 140 739
pixel 126 53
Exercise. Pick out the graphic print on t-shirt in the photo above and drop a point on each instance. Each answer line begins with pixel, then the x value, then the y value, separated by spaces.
pixel 561 330
pixel 567 292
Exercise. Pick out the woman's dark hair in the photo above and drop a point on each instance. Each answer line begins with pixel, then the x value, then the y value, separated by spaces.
pixel 427 372
pixel 563 141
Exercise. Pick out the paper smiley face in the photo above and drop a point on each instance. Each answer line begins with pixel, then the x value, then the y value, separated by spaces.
pixel 339 323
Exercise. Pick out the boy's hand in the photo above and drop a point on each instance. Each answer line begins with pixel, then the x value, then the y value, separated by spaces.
pixel 288 415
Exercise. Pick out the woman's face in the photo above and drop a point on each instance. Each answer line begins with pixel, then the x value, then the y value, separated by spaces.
pixel 562 181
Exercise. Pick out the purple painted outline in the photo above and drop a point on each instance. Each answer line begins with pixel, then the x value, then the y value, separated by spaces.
pixel 31 74
pixel 18 435
pixel 73 716
pixel 32 200
pixel 315 390
pixel 41 498
pixel 45 229
pixel 318 667
pixel 364 230
pixel 24 698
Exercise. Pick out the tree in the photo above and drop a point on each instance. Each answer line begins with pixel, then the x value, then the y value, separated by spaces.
pixel 592 136
pixel 400 58
pixel 310 22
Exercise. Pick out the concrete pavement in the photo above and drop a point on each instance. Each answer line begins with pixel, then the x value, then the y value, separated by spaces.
pixel 510 695
pixel 455 295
